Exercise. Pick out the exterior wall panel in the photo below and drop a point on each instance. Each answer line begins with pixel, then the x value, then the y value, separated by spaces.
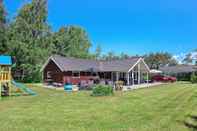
pixel 55 72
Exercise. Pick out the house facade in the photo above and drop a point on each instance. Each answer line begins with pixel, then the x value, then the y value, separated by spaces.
pixel 72 70
pixel 181 72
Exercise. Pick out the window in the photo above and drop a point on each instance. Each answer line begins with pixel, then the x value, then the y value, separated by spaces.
pixel 76 74
pixel 49 74
pixel 94 74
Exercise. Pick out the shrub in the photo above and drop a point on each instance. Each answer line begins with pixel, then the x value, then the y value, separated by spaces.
pixel 183 76
pixel 102 90
pixel 193 78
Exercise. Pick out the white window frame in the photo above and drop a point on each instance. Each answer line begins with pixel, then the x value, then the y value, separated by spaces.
pixel 49 76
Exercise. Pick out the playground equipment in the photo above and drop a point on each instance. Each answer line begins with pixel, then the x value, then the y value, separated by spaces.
pixel 5 75
pixel 6 82
pixel 23 88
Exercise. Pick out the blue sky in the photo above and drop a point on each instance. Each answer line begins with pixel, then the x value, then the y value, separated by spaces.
pixel 129 26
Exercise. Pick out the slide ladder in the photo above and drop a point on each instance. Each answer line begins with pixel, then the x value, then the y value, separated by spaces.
pixel 23 88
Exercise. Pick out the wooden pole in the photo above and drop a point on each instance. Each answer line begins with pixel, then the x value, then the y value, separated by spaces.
pixel 9 81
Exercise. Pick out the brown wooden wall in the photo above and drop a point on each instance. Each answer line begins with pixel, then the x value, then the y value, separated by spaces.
pixel 66 77
pixel 63 77
pixel 84 76
pixel 56 73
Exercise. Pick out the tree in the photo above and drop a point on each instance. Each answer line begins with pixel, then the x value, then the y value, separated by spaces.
pixel 29 39
pixel 124 56
pixel 60 42
pixel 191 58
pixel 3 43
pixel 98 52
pixel 173 62
pixel 156 60
pixel 110 56
pixel 188 59
pixel 72 41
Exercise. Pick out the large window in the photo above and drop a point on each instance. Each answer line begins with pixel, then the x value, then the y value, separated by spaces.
pixel 76 74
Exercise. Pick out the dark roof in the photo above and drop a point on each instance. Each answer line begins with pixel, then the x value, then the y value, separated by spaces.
pixel 74 64
pixel 5 60
pixel 179 69
pixel 119 65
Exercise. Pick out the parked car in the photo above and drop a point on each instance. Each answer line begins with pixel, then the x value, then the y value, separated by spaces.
pixel 163 78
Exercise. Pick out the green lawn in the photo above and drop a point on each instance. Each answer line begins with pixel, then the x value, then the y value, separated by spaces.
pixel 163 108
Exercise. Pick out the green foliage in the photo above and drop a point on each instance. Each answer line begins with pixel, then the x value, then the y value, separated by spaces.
pixel 98 52
pixel 124 56
pixel 3 44
pixel 155 60
pixel 112 56
pixel 191 58
pixel 183 76
pixel 102 90
pixel 29 41
pixel 188 59
pixel 193 78
pixel 71 41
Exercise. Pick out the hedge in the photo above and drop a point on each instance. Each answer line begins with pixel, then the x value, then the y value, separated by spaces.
pixel 102 90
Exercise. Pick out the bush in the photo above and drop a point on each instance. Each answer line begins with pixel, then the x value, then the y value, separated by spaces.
pixel 102 90
pixel 193 78
pixel 183 76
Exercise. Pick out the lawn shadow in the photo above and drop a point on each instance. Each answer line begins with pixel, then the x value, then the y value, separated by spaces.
pixel 192 123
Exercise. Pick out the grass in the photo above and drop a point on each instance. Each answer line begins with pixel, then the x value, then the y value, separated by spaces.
pixel 162 108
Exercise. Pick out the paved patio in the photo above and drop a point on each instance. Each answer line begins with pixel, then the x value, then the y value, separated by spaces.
pixel 145 85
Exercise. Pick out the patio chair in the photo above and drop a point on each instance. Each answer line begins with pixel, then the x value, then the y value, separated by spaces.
pixel 119 85
pixel 102 82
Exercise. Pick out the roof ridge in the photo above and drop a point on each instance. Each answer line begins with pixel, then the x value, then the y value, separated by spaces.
pixel 69 57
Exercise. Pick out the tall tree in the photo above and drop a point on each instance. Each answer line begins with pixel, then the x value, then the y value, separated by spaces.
pixel 156 60
pixel 28 39
pixel 3 43
pixel 72 41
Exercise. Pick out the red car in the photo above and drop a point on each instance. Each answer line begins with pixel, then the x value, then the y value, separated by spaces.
pixel 160 78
